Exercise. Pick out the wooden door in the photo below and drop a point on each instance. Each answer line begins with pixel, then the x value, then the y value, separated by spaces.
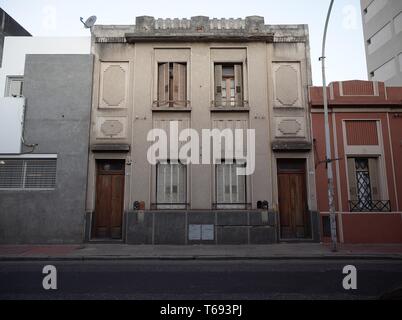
pixel 109 199
pixel 292 199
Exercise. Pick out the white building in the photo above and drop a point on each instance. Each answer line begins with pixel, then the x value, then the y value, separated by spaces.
pixel 382 25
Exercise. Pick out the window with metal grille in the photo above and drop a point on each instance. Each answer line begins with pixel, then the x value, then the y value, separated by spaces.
pixel 28 174
pixel 230 187
pixel 364 185
pixel 363 180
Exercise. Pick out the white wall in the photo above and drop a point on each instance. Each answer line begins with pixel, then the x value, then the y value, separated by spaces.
pixel 15 49
pixel 11 121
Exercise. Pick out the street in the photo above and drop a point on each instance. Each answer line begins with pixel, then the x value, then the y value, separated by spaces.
pixel 179 280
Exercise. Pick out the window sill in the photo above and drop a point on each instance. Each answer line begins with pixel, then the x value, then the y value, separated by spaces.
pixel 171 109
pixel 230 109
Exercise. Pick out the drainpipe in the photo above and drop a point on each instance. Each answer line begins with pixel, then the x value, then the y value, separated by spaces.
pixel 329 160
pixel 31 146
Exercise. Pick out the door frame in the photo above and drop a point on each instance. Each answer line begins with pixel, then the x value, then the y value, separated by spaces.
pixel 309 218
pixel 96 162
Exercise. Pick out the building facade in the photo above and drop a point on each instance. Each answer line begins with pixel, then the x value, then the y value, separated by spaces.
pixel 9 28
pixel 366 140
pixel 44 138
pixel 202 74
pixel 382 25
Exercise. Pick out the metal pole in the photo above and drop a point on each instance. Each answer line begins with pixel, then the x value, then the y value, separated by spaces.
pixel 331 198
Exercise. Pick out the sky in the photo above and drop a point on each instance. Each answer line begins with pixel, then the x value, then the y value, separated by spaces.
pixel 345 45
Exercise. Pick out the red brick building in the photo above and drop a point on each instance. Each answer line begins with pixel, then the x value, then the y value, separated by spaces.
pixel 366 139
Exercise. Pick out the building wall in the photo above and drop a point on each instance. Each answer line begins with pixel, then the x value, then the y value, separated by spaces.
pixel 58 89
pixel 16 49
pixel 382 24
pixel 9 27
pixel 266 87
pixel 384 107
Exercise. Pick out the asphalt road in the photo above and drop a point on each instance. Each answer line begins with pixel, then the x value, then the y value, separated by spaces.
pixel 209 280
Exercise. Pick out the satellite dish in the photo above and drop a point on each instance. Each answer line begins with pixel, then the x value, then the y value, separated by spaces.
pixel 89 23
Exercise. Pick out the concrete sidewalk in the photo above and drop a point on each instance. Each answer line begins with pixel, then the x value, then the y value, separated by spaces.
pixel 237 252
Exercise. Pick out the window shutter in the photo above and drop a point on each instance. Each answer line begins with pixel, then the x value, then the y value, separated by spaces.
pixel 163 84
pixel 352 179
pixel 218 85
pixel 182 192
pixel 220 183
pixel 239 84
pixel 374 179
pixel 180 84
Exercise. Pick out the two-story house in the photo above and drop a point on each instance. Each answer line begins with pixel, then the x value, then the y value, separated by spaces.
pixel 200 74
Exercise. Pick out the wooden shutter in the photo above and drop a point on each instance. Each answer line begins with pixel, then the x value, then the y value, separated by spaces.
pixel 218 85
pixel 352 179
pixel 238 69
pixel 180 84
pixel 163 84
pixel 374 179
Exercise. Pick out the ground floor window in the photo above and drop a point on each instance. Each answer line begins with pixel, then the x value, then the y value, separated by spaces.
pixel 171 184
pixel 28 174
pixel 364 185
pixel 230 187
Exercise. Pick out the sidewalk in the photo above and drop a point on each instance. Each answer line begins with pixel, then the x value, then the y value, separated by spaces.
pixel 240 252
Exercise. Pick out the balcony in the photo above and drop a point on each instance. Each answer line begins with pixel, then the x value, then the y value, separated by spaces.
pixel 370 206
pixel 171 105
pixel 230 105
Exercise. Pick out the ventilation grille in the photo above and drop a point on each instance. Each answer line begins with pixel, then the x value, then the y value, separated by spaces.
pixel 27 174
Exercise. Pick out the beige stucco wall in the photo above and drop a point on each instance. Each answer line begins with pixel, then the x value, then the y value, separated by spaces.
pixel 265 89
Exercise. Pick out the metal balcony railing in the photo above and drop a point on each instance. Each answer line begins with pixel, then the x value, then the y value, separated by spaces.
pixel 171 104
pixel 370 206
pixel 230 104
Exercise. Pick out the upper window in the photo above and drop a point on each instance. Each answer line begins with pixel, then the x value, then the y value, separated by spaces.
pixel 28 174
pixel 229 85
pixel 14 87
pixel 172 85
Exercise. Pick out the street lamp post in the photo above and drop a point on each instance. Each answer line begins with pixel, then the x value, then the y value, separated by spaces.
pixel 331 197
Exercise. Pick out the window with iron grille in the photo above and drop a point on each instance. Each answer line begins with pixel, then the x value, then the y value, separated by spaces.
pixel 364 185
pixel 363 181
pixel 28 174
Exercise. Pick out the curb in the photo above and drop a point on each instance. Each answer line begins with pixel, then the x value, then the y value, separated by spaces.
pixel 198 258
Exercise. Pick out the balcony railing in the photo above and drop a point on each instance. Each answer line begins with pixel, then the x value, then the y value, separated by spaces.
pixel 230 104
pixel 171 104
pixel 170 206
pixel 370 206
